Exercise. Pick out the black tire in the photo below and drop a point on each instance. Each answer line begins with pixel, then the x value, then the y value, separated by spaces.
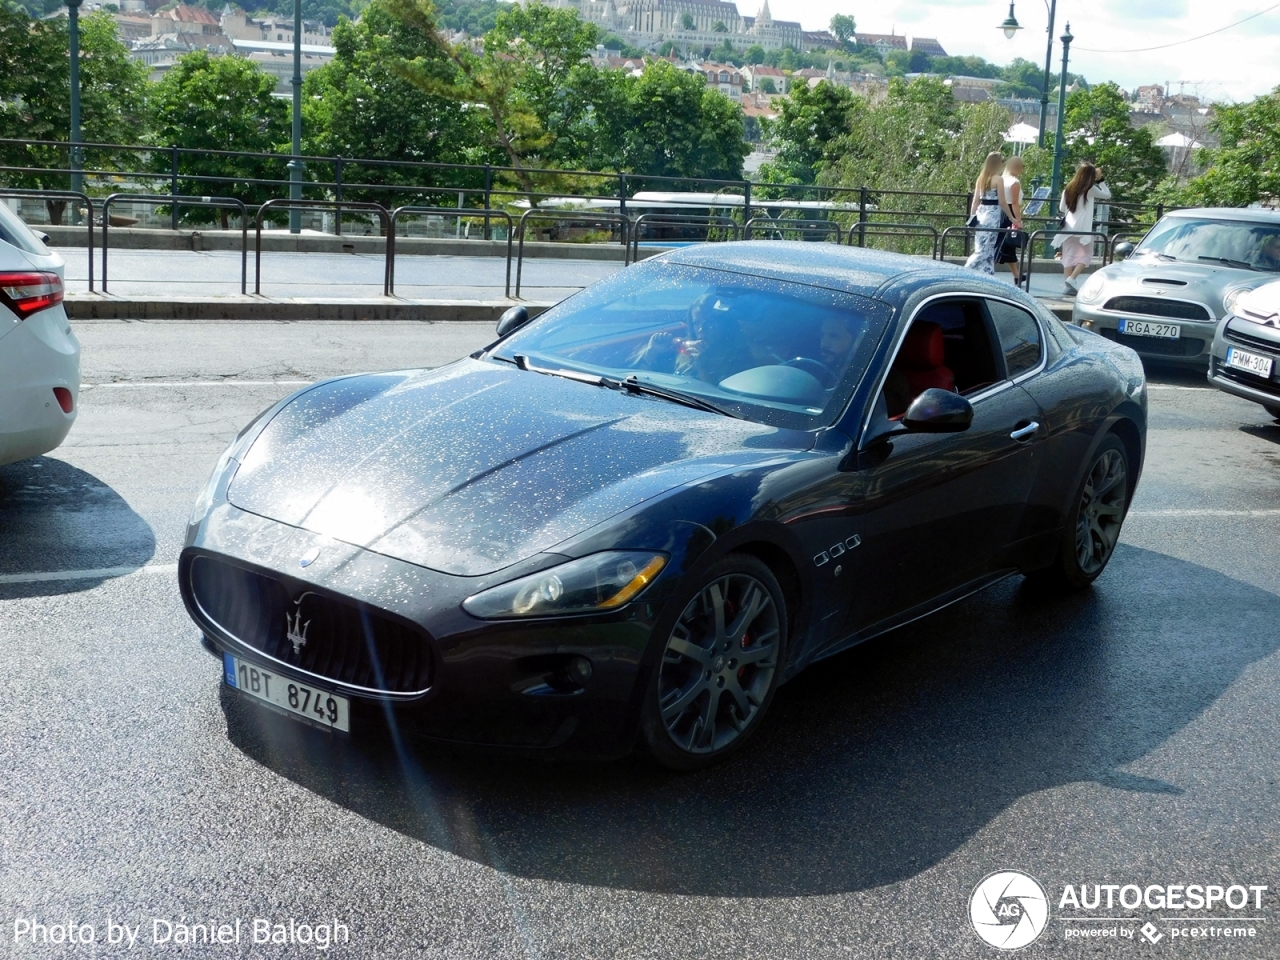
pixel 718 666
pixel 1093 526
pixel 1272 409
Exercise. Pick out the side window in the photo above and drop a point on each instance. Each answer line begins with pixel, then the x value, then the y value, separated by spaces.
pixel 1019 337
pixel 948 347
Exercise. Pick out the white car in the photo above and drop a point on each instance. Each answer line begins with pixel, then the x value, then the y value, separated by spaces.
pixel 39 355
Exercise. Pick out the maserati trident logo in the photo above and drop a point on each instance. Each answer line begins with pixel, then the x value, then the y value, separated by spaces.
pixel 297 634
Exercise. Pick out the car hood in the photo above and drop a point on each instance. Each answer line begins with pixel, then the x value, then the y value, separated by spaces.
pixel 476 466
pixel 1204 283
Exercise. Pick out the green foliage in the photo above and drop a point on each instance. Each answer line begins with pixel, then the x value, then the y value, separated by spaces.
pixel 473 17
pixel 965 67
pixel 209 103
pixel 1098 130
pixel 621 47
pixel 811 121
pixel 686 21
pixel 35 95
pixel 767 85
pixel 754 54
pixel 842 27
pixel 1245 166
pixel 359 106
pixel 917 139
pixel 899 62
pixel 719 27
pixel 666 122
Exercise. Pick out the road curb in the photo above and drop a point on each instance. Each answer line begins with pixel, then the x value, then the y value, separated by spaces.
pixel 92 306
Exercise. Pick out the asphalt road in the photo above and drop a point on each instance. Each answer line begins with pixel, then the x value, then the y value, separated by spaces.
pixel 1129 734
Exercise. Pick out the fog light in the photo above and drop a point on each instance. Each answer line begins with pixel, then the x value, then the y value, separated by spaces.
pixel 577 670
pixel 1087 324
pixel 63 396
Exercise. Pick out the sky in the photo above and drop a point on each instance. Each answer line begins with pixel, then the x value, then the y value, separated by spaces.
pixel 1232 66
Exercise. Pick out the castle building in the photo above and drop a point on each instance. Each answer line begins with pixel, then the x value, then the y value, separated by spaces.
pixel 689 24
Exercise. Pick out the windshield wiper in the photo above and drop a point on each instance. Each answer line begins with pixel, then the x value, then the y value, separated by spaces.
pixel 1168 258
pixel 634 385
pixel 1229 262
pixel 521 361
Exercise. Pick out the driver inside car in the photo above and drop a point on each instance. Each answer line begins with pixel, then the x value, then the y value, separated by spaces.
pixel 716 348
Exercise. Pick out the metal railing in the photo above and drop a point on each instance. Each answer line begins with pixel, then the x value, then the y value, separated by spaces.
pixel 1026 261
pixel 732 228
pixel 442 211
pixel 863 229
pixel 778 227
pixel 20 193
pixel 621 219
pixel 376 208
pixel 221 203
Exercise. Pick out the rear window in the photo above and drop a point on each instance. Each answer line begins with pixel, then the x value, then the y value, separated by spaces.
pixel 16 233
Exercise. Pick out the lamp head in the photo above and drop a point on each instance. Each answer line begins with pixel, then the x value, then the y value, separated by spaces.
pixel 1010 25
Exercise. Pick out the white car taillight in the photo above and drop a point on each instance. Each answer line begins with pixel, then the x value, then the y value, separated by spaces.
pixel 29 291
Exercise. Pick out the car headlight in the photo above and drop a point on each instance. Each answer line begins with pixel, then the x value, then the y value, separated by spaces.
pixel 600 582
pixel 1232 295
pixel 1092 288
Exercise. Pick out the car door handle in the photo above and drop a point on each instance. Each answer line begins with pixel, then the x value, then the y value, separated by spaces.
pixel 1022 433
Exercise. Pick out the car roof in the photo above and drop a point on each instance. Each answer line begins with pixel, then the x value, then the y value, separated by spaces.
pixel 835 266
pixel 1247 214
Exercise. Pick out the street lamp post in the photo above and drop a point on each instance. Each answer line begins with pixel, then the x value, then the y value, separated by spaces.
pixel 1055 181
pixel 77 152
pixel 296 166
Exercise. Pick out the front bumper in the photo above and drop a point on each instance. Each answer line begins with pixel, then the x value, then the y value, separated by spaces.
pixel 1256 339
pixel 36 355
pixel 490 683
pixel 1190 349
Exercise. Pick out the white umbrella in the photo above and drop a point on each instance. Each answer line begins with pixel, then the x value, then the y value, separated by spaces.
pixel 1021 133
pixel 1178 140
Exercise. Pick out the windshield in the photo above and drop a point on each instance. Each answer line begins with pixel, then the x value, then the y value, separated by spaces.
pixel 1253 246
pixel 14 232
pixel 784 354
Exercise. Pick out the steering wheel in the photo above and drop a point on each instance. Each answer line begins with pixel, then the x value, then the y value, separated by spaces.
pixel 816 369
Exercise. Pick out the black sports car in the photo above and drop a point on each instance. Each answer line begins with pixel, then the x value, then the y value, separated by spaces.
pixel 629 520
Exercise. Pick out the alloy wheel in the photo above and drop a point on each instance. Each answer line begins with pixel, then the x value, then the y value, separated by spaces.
pixel 718 664
pixel 1102 507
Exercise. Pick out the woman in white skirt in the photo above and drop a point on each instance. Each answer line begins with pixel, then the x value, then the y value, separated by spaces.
pixel 1086 187
pixel 990 199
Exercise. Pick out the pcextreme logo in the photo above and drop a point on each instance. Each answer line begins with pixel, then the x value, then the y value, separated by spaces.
pixel 1009 909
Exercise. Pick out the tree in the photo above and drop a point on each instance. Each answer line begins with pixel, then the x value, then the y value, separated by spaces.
pixel 35 96
pixel 209 103
pixel 811 120
pixel 357 105
pixel 517 77
pixel 686 21
pixel 1099 131
pixel 842 27
pixel 754 54
pixel 719 27
pixel 666 122
pixel 1245 166
pixel 917 139
pixel 767 85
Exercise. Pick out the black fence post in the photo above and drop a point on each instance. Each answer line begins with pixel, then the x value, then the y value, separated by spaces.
pixel 968 236
pixel 1159 210
pixel 488 188
pixel 622 194
pixel 173 185
pixel 337 195
pixel 862 217
pixel 746 201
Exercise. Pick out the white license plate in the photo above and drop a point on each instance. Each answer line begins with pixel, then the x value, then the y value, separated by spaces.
pixel 1252 362
pixel 318 706
pixel 1145 328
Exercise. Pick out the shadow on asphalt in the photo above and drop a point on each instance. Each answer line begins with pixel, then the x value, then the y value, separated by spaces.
pixel 871 767
pixel 56 517
pixel 1176 374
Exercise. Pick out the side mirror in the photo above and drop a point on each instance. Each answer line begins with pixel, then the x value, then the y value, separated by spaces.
pixel 938 411
pixel 513 319
pixel 43 238
pixel 1123 249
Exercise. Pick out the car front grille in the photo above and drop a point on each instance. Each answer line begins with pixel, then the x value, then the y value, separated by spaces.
pixel 1158 307
pixel 1258 343
pixel 1182 347
pixel 345 642
pixel 1244 377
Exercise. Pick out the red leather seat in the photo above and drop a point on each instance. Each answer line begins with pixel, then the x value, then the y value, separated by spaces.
pixel 922 359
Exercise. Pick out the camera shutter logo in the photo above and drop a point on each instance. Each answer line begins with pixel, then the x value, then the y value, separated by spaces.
pixel 1009 910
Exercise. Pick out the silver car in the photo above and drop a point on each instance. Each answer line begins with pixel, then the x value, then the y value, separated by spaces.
pixel 1165 300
